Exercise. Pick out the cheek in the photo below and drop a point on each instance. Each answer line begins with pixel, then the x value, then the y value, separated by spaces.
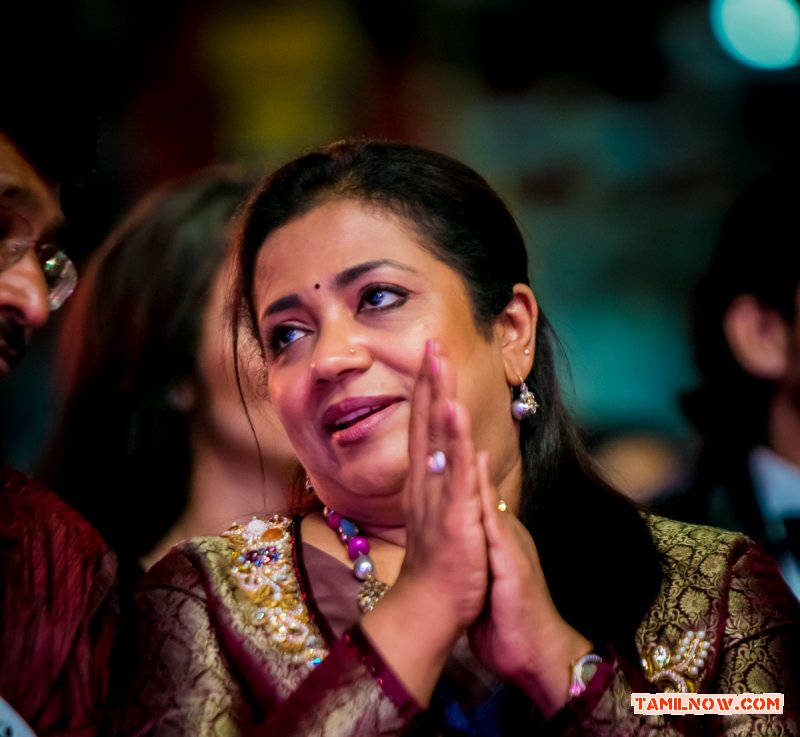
pixel 282 394
pixel 288 394
pixel 288 408
pixel 404 351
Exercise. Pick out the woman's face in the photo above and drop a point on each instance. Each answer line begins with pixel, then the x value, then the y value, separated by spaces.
pixel 346 299
pixel 218 415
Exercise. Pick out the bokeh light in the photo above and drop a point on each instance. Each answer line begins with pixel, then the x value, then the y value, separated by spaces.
pixel 759 33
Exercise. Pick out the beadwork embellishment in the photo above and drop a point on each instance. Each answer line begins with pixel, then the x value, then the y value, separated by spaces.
pixel 679 669
pixel 262 565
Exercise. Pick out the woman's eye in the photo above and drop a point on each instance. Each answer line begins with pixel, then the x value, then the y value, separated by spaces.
pixel 283 336
pixel 382 298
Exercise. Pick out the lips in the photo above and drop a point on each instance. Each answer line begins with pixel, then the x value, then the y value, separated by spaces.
pixel 352 418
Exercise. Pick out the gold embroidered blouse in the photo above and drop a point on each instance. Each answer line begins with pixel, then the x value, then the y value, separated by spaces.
pixel 233 644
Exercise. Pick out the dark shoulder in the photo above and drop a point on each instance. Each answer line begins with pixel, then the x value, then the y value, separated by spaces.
pixel 705 564
pixel 697 561
pixel 684 542
pixel 243 559
pixel 713 558
pixel 190 565
pixel 32 513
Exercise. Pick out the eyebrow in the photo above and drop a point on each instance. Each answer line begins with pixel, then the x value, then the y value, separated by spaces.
pixel 341 280
pixel 11 192
pixel 17 199
pixel 348 276
pixel 284 303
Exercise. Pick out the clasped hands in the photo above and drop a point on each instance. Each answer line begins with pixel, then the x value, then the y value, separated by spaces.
pixel 468 566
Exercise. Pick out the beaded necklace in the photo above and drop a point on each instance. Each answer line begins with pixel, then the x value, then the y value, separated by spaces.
pixel 372 590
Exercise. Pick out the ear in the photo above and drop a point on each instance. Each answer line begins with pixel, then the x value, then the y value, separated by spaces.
pixel 516 330
pixel 758 337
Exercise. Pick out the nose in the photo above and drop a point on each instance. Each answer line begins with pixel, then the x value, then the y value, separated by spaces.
pixel 339 350
pixel 23 292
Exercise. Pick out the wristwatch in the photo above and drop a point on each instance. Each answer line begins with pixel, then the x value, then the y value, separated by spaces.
pixel 583 670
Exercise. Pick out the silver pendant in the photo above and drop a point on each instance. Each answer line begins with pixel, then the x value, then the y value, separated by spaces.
pixel 372 591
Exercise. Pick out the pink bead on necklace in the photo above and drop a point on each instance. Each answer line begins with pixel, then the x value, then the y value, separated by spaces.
pixel 372 590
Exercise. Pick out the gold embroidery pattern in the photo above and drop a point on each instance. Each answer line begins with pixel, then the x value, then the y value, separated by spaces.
pixel 720 589
pixel 690 603
pixel 262 566
pixel 732 591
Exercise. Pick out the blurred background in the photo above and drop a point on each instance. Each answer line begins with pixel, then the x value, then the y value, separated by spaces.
pixel 618 133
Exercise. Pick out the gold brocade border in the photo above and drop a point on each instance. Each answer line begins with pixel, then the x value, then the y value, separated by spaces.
pixel 262 566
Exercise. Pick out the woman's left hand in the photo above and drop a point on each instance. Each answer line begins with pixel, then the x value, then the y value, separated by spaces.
pixel 521 636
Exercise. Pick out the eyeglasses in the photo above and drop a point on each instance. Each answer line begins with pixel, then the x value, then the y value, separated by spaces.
pixel 60 274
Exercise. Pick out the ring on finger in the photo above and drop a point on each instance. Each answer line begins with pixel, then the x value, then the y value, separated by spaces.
pixel 437 462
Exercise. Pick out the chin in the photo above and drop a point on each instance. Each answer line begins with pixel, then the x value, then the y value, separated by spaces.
pixel 378 480
pixel 371 491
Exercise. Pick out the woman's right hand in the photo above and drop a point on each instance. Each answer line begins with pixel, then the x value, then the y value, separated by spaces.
pixel 443 581
pixel 446 551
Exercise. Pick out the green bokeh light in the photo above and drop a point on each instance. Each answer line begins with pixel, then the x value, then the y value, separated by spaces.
pixel 759 33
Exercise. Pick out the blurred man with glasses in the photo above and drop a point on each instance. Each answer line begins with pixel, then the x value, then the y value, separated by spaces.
pixel 57 576
pixel 35 275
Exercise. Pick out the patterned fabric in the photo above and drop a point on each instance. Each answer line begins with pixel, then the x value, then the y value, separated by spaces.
pixel 210 666
pixel 722 583
pixel 57 610
pixel 209 669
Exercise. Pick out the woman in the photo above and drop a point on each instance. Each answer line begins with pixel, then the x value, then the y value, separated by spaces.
pixel 470 572
pixel 151 402
pixel 153 421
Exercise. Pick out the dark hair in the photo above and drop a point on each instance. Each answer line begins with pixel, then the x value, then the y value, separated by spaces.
pixel 462 221
pixel 130 336
pixel 756 253
pixel 52 122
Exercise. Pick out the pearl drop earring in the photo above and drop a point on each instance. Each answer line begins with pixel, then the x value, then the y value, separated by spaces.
pixel 525 404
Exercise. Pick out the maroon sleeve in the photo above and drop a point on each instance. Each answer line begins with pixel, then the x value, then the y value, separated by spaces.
pixel 57 610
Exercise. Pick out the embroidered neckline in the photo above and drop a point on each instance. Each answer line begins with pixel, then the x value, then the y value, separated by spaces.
pixel 263 568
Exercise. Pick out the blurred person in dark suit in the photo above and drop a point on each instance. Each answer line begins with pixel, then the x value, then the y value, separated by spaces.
pixel 747 348
pixel 57 576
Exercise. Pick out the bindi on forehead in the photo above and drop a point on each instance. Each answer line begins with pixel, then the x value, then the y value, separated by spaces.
pixel 316 286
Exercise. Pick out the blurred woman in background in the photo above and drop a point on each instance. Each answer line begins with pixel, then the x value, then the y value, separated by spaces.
pixel 153 422
pixel 152 413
